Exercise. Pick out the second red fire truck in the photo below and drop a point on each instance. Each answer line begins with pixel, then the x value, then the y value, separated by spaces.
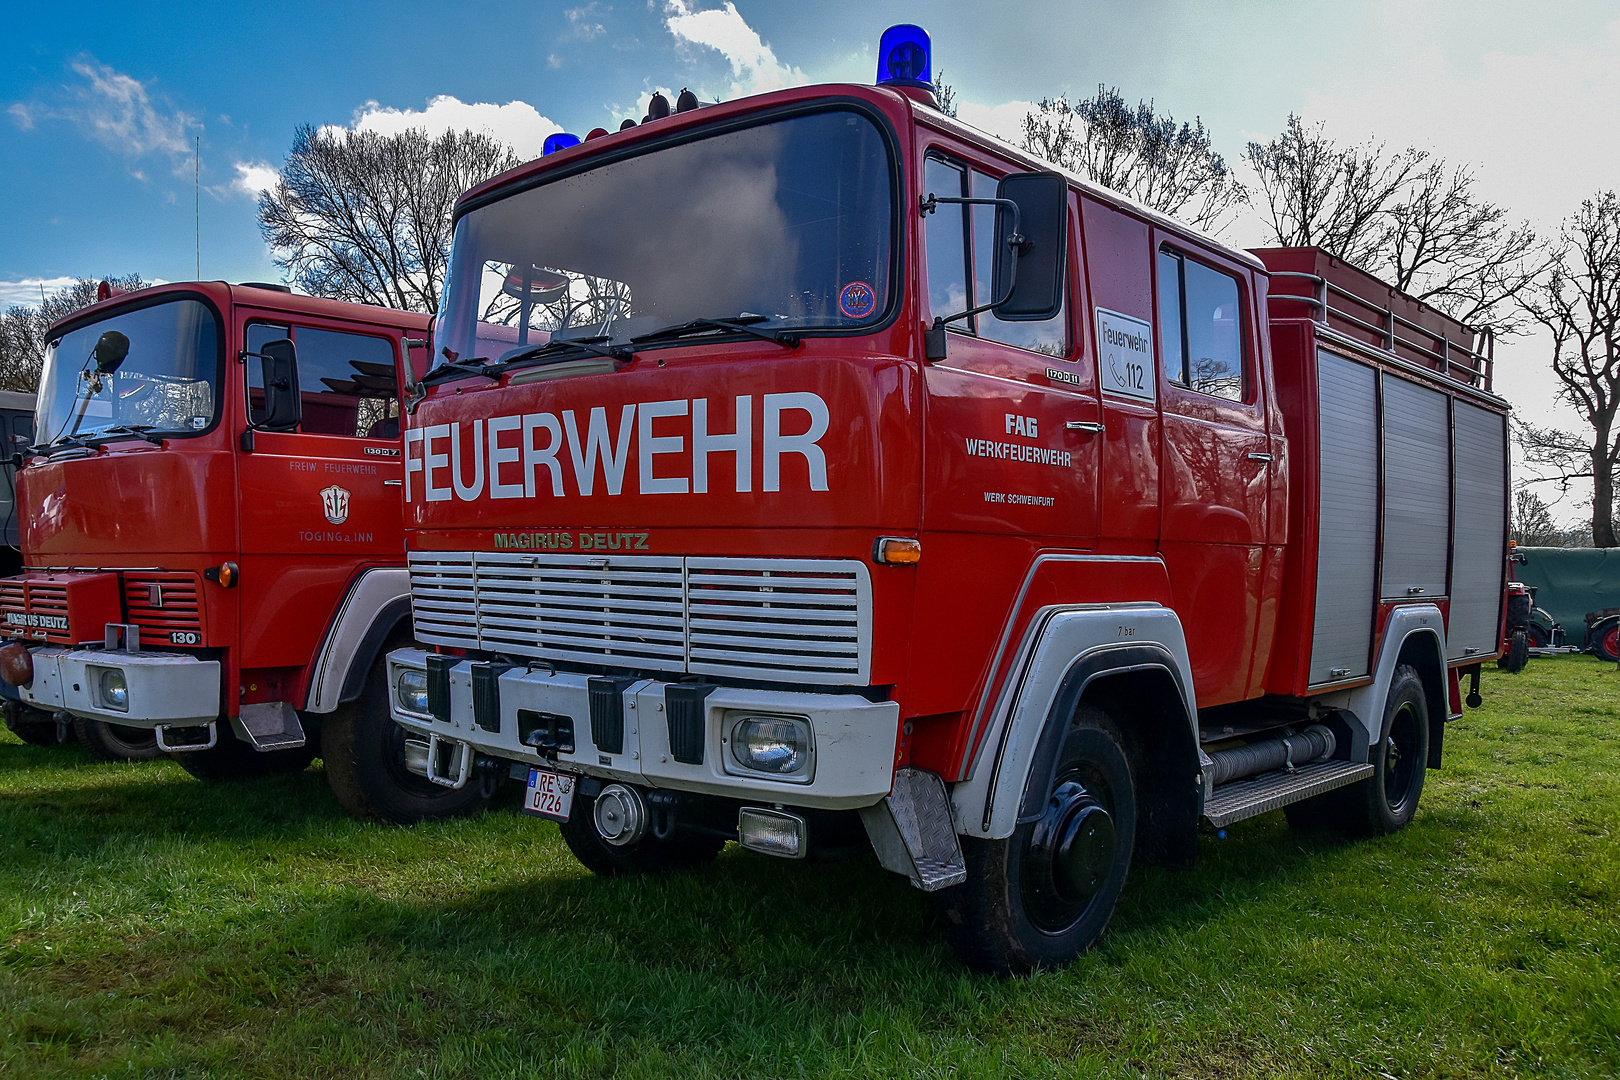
pixel 211 525
pixel 813 464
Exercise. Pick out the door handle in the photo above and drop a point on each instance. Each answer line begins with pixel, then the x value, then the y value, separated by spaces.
pixel 1261 457
pixel 392 483
pixel 1086 425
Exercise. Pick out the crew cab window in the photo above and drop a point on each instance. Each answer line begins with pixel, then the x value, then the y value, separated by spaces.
pixel 960 273
pixel 1201 328
pixel 347 381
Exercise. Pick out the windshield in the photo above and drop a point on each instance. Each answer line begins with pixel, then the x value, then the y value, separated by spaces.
pixel 787 224
pixel 165 383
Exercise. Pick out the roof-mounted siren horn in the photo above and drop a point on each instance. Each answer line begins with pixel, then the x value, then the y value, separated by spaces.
pixel 558 140
pixel 906 62
pixel 657 109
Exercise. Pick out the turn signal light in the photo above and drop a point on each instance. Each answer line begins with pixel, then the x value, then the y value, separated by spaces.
pixel 16 664
pixel 224 575
pixel 897 550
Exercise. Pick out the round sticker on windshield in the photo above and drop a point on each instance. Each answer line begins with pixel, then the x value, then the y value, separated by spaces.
pixel 857 300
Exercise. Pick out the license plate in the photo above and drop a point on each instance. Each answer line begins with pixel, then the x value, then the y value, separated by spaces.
pixel 550 794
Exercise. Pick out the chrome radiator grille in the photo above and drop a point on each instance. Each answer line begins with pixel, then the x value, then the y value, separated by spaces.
pixel 786 620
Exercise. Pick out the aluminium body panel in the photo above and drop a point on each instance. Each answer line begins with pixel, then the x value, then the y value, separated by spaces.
pixel 1347 523
pixel 1478 544
pixel 1417 490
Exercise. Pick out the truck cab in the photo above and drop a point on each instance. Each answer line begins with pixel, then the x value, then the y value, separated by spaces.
pixel 210 511
pixel 815 465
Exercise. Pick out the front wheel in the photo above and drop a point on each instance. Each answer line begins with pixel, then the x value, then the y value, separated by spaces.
pixel 115 742
pixel 364 750
pixel 1044 895
pixel 1517 655
pixel 1606 641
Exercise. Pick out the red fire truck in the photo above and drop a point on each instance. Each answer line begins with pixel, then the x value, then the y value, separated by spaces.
pixel 211 526
pixel 813 464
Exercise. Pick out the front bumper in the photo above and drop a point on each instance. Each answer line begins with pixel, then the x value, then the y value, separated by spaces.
pixel 853 738
pixel 164 689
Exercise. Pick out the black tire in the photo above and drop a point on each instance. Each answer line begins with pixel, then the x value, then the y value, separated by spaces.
pixel 1540 638
pixel 232 759
pixel 1386 801
pixel 1044 895
pixel 1517 655
pixel 364 752
pixel 649 855
pixel 1605 639
pixel 115 742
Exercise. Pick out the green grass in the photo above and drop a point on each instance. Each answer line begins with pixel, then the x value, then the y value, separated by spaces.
pixel 154 926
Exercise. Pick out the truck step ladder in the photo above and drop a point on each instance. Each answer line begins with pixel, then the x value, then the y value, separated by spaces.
pixel 1257 795
pixel 271 725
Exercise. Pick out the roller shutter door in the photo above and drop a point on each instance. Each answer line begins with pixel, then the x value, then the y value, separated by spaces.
pixel 1347 521
pixel 1417 490
pixel 1478 547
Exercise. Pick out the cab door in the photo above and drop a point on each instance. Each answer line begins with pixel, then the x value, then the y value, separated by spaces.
pixel 323 500
pixel 1012 432
pixel 1216 464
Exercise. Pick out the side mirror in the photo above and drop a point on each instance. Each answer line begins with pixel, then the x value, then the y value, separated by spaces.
pixel 110 351
pixel 283 404
pixel 1032 249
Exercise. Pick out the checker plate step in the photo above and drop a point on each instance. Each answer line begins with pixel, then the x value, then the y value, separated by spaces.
pixel 1257 795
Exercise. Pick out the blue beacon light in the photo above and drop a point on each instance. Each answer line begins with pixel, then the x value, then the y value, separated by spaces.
pixel 559 140
pixel 905 57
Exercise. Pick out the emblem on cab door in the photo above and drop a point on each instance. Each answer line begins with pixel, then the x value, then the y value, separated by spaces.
pixel 335 501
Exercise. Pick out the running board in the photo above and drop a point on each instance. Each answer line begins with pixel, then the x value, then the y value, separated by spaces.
pixel 271 725
pixel 1257 795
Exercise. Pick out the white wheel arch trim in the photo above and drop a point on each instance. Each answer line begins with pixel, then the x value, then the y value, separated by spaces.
pixel 367 597
pixel 1366 703
pixel 1060 636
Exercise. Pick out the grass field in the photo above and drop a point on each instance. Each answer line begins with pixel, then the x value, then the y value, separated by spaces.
pixel 154 926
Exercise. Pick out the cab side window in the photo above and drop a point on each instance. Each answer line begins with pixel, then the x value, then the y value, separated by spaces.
pixel 1201 328
pixel 347 381
pixel 961 262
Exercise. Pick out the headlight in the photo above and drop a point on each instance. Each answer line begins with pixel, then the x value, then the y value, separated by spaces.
pixel 411 691
pixel 112 689
pixel 778 745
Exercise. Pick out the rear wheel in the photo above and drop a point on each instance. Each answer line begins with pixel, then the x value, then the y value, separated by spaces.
pixel 115 742
pixel 1517 654
pixel 1606 641
pixel 365 764
pixel 1044 895
pixel 1386 801
pixel 232 759
pixel 649 855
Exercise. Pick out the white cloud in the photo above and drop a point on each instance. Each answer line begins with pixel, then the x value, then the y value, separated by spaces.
pixel 583 22
pixel 754 66
pixel 254 178
pixel 517 123
pixel 117 110
pixel 1005 121
pixel 27 291
pixel 23 116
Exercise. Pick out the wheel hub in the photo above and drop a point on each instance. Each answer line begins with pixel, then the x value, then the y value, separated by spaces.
pixel 1070 856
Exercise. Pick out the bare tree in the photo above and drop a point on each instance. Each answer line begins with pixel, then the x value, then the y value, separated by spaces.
pixel 1577 299
pixel 1413 220
pixel 1533 524
pixel 945 94
pixel 365 217
pixel 1137 152
pixel 23 328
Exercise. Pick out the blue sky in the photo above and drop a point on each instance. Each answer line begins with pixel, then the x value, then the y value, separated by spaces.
pixel 100 104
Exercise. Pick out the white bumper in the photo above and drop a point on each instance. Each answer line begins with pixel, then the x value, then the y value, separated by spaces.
pixel 166 689
pixel 854 739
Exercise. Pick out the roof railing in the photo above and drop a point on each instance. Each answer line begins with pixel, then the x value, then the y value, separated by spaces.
pixel 1472 365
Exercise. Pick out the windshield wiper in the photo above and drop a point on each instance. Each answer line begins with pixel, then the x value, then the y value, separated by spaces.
pixel 453 369
pixel 58 443
pixel 738 325
pixel 591 345
pixel 139 431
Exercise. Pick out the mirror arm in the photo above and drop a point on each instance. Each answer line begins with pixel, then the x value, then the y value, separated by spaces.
pixel 414 390
pixel 934 336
